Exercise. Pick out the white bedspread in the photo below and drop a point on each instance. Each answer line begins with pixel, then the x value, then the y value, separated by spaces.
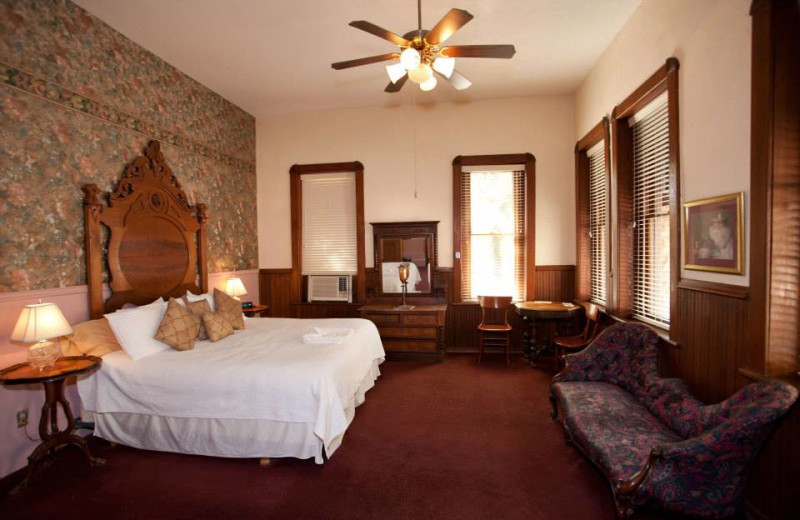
pixel 262 372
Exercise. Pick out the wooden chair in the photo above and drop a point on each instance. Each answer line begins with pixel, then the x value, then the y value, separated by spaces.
pixel 494 328
pixel 576 343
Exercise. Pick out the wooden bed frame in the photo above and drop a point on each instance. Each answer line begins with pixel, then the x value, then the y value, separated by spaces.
pixel 156 243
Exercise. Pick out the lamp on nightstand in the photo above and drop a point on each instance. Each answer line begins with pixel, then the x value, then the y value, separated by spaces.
pixel 235 287
pixel 37 324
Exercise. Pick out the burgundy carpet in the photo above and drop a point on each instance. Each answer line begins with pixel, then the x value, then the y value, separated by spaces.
pixel 455 440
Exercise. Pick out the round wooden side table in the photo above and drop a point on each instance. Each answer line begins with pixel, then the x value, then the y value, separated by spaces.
pixel 53 380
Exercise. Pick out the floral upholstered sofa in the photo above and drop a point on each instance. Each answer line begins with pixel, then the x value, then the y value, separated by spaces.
pixel 658 446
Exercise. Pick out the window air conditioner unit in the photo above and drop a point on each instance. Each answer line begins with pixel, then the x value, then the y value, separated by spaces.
pixel 326 288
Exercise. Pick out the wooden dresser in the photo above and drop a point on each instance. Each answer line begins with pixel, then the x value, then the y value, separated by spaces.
pixel 418 332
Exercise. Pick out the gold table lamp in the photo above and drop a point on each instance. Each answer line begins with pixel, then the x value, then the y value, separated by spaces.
pixel 402 271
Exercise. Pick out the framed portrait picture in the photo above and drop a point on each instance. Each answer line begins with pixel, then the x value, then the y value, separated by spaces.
pixel 713 231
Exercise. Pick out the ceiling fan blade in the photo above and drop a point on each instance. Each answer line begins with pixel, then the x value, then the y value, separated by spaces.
pixel 479 51
pixel 451 22
pixel 395 87
pixel 380 32
pixel 458 81
pixel 364 61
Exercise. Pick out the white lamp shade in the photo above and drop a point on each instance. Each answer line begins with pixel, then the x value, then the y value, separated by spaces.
pixel 430 84
pixel 40 321
pixel 420 74
pixel 235 287
pixel 395 71
pixel 410 59
pixel 444 66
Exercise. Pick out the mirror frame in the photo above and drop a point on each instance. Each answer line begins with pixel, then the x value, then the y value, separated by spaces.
pixel 400 230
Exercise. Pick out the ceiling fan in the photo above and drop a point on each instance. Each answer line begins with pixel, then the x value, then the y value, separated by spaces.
pixel 423 55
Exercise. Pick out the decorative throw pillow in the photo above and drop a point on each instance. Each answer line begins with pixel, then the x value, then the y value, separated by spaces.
pixel 217 325
pixel 230 307
pixel 199 308
pixel 179 327
pixel 93 338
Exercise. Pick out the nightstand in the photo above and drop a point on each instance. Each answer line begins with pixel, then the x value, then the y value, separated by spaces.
pixel 259 310
pixel 53 381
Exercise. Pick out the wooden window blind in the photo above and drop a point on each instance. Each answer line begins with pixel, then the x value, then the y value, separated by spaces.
pixel 329 224
pixel 493 235
pixel 598 220
pixel 651 213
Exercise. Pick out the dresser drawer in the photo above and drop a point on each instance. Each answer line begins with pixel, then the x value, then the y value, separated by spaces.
pixel 420 319
pixel 397 345
pixel 383 319
pixel 408 332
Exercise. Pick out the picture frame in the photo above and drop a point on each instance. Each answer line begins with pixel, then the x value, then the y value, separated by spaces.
pixel 713 231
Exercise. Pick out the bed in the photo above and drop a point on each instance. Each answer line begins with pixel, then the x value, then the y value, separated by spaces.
pixel 261 392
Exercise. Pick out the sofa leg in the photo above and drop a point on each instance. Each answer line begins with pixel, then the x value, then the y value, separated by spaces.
pixel 623 507
pixel 554 404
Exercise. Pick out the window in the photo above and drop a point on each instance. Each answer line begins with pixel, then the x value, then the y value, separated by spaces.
pixel 593 215
pixel 651 219
pixel 598 221
pixel 328 223
pixel 491 219
pixel 646 167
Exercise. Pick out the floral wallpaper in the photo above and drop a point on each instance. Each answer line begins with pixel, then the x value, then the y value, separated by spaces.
pixel 79 102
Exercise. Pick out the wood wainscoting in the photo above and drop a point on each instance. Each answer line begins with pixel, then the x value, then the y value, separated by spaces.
pixel 553 282
pixel 711 329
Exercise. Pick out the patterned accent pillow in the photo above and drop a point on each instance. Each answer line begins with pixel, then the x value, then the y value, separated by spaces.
pixel 199 308
pixel 217 325
pixel 179 327
pixel 230 307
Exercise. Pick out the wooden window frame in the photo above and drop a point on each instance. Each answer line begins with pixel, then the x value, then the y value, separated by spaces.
pixel 296 194
pixel 664 79
pixel 529 162
pixel 600 132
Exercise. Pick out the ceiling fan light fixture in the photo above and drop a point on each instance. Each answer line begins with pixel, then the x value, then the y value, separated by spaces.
pixel 421 74
pixel 444 66
pixel 410 58
pixel 395 71
pixel 428 84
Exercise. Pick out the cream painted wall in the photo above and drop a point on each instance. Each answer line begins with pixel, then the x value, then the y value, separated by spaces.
pixel 711 39
pixel 383 139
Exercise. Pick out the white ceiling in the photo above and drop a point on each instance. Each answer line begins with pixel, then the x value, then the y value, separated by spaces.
pixel 273 57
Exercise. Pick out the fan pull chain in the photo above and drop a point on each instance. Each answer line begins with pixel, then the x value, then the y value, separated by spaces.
pixel 419 17
pixel 414 122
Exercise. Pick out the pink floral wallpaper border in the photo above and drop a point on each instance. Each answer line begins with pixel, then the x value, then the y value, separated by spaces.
pixel 50 91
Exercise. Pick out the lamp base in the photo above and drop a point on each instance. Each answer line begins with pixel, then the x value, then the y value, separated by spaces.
pixel 43 355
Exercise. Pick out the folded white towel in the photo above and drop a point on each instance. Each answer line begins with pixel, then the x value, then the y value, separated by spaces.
pixel 327 336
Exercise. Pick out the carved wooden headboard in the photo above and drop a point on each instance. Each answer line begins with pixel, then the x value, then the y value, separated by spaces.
pixel 156 239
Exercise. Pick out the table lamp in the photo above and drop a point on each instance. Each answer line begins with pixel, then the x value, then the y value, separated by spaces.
pixel 403 271
pixel 235 287
pixel 37 324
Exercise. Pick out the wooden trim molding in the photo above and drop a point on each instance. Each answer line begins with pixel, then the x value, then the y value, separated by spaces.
pixel 530 220
pixel 543 268
pixel 740 292
pixel 297 223
pixel 664 79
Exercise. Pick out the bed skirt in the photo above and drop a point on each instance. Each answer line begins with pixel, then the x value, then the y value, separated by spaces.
pixel 234 438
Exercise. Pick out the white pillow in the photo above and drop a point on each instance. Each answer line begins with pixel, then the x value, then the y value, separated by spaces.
pixel 155 303
pixel 191 298
pixel 135 329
